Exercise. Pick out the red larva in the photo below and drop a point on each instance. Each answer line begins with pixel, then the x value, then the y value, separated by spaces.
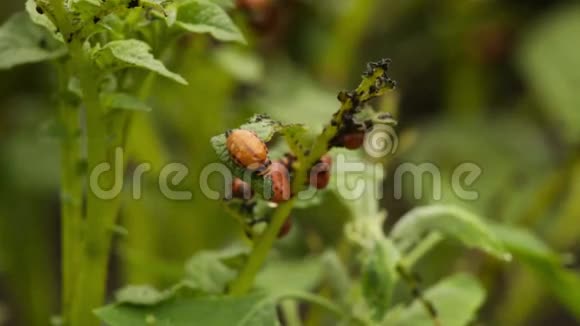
pixel 285 228
pixel 253 4
pixel 247 150
pixel 278 174
pixel 241 189
pixel 353 140
pixel 320 173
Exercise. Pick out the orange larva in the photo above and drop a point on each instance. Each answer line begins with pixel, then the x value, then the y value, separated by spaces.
pixel 320 173
pixel 279 175
pixel 247 150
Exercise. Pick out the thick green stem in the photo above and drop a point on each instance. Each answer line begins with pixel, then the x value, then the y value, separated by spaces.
pixel 91 280
pixel 245 280
pixel 71 192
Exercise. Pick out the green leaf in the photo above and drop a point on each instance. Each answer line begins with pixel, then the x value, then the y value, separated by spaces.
pixel 86 10
pixel 254 309
pixel 140 295
pixel 226 4
pixel 450 221
pixel 545 263
pixel 132 53
pixel 283 275
pixel 146 295
pixel 209 272
pixel 202 16
pixel 550 58
pixel 367 113
pixel 456 299
pixel 22 42
pixel 41 20
pixel 378 279
pixel 526 246
pixel 243 65
pixel 123 101
pixel 297 138
pixel 265 128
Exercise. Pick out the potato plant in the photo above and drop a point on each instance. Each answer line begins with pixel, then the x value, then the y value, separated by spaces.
pixel 106 55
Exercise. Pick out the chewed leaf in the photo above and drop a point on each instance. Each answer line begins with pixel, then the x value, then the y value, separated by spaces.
pixel 41 20
pixel 203 16
pixel 296 136
pixel 265 128
pixel 22 42
pixel 450 221
pixel 132 53
pixel 368 115
pixel 459 291
pixel 86 9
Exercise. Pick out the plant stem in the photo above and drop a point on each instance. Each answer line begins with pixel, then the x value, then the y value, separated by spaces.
pixel 322 302
pixel 366 90
pixel 290 311
pixel 71 192
pixel 91 281
pixel 245 280
pixel 421 249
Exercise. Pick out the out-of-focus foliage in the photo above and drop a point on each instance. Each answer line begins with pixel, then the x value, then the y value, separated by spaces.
pixel 491 83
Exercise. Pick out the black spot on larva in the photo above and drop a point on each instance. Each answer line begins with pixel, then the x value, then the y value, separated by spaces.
pixel 39 10
pixel 133 4
pixel 96 20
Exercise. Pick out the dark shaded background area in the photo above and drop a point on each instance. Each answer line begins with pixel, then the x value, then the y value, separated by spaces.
pixel 491 82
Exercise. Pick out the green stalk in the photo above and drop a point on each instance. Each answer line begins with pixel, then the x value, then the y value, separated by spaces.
pixel 245 280
pixel 290 312
pixel 364 92
pixel 91 282
pixel 73 262
pixel 421 249
pixel 71 192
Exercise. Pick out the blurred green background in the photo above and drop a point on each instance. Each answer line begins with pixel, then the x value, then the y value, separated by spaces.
pixel 491 82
